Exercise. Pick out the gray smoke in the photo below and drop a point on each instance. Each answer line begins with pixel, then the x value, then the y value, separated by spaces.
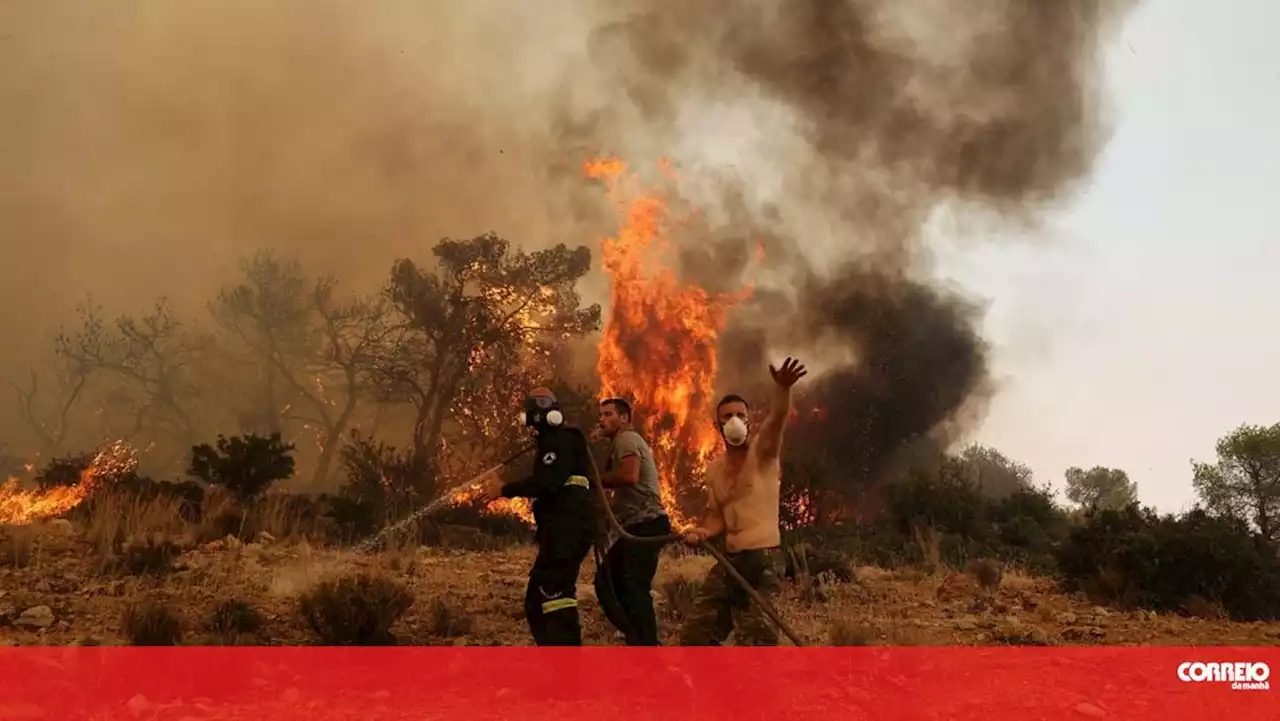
pixel 834 132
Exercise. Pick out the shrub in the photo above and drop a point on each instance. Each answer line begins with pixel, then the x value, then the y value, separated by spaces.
pixel 382 486
pixel 151 623
pixel 148 557
pixel 986 572
pixel 355 610
pixel 449 621
pixel 844 632
pixel 18 545
pixel 1133 556
pixel 498 529
pixel 233 618
pixel 244 465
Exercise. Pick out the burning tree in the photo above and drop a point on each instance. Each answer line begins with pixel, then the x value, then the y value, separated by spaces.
pixel 309 348
pixel 469 330
pixel 157 361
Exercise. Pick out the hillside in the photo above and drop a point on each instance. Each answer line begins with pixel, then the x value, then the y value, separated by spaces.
pixel 55 588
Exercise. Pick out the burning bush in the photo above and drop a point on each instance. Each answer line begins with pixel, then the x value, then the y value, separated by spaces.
pixel 151 623
pixel 63 471
pixel 355 610
pixel 498 529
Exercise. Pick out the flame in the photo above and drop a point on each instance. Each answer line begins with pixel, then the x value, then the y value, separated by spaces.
pixel 521 508
pixel 659 344
pixel 19 507
pixel 801 510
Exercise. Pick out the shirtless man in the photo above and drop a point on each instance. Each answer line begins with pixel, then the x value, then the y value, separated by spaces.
pixel 743 489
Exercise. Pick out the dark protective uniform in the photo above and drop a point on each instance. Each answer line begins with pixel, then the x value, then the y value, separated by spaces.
pixel 565 529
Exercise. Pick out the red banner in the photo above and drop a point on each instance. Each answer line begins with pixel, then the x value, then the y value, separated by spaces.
pixel 460 684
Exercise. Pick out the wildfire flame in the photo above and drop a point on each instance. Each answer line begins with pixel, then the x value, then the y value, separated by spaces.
pixel 19 507
pixel 658 348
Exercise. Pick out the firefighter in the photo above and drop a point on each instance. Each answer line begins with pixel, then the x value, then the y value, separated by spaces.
pixel 564 519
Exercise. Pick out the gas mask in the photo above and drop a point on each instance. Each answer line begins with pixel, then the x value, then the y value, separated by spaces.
pixel 542 411
pixel 734 431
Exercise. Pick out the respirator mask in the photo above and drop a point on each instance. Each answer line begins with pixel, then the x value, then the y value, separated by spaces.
pixel 542 411
pixel 734 431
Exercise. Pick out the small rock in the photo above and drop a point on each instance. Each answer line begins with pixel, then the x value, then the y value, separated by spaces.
pixel 1066 619
pixel 1089 709
pixel 1100 611
pixel 968 623
pixel 36 617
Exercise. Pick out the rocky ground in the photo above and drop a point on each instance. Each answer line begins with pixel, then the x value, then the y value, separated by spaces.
pixel 57 589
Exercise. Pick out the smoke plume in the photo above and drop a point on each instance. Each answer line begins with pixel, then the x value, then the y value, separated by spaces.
pixel 150 144
pixel 835 132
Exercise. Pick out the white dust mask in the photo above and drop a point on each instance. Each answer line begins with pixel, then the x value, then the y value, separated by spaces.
pixel 735 431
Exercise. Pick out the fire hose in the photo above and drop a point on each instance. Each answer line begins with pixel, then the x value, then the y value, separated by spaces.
pixel 755 596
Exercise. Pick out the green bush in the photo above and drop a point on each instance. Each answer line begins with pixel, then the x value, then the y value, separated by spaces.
pixel 1136 557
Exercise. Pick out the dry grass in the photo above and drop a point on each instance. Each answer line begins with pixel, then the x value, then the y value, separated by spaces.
pixel 476 597
pixel 987 573
pixel 449 621
pixel 1203 608
pixel 233 620
pixel 120 518
pixel 19 546
pixel 279 516
pixel 929 541
pixel 845 631
pixel 151 623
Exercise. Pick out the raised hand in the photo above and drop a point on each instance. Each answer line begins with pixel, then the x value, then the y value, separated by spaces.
pixel 790 372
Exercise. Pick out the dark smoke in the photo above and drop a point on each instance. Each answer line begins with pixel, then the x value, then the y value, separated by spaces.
pixel 899 110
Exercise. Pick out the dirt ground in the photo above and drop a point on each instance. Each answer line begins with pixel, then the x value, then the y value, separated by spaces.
pixel 56 589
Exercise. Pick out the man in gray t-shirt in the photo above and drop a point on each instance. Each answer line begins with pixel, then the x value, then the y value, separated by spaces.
pixel 623 583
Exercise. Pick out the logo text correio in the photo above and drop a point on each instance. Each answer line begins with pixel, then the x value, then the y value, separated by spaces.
pixel 1243 676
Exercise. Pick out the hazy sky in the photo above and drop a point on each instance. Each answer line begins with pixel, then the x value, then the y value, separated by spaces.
pixel 1144 327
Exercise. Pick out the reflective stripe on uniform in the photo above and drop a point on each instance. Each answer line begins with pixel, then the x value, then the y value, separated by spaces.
pixel 578 481
pixel 559 605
